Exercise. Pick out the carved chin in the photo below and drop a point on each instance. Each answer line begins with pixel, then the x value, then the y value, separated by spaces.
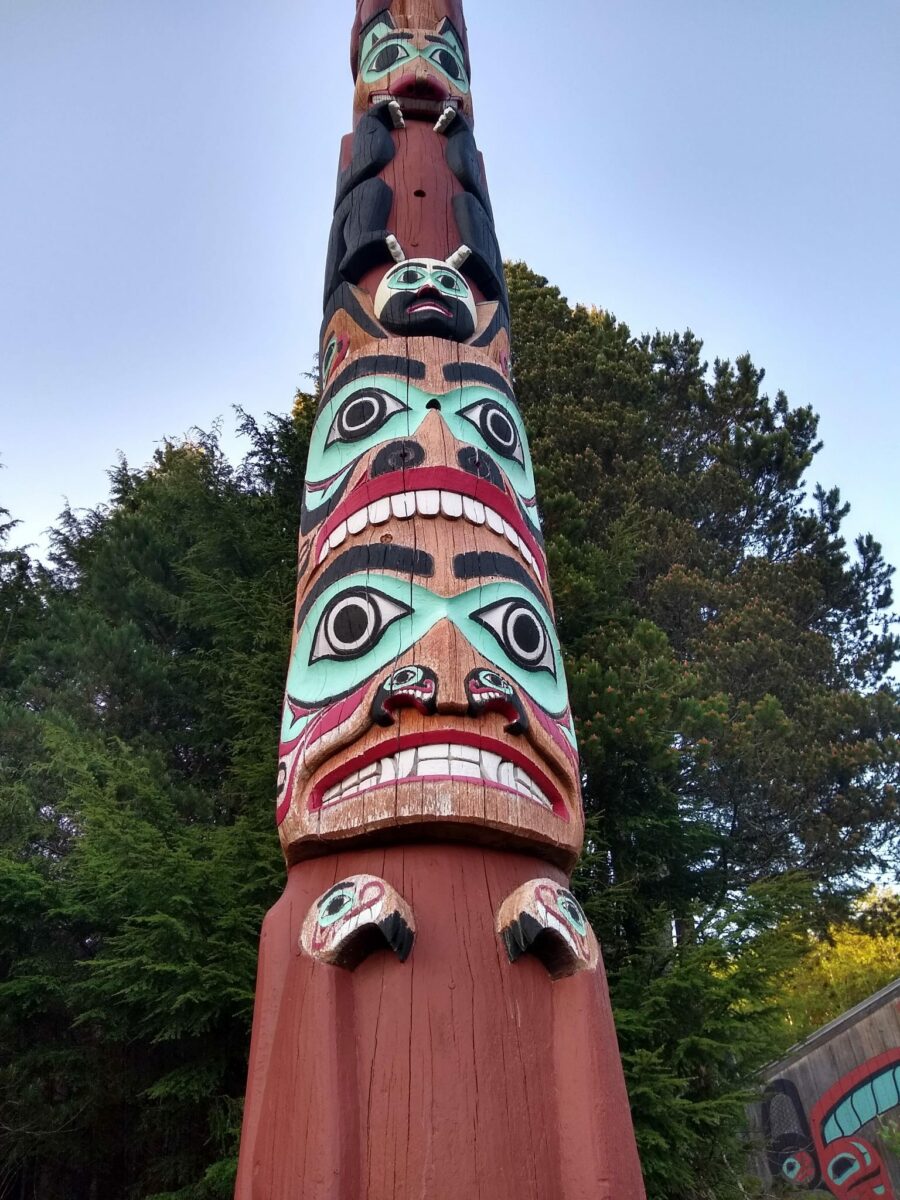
pixel 428 316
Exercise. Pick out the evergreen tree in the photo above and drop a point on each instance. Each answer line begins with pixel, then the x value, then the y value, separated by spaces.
pixel 728 657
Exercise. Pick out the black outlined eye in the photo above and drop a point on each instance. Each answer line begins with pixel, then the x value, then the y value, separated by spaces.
pixel 573 912
pixel 336 904
pixel 353 623
pixel 496 426
pixel 448 64
pixel 521 632
pixel 387 58
pixel 362 414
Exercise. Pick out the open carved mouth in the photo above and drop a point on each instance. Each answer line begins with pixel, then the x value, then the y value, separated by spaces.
pixel 430 492
pixel 425 106
pixel 440 755
pixel 430 306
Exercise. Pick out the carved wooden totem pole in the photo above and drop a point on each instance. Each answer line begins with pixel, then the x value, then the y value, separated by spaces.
pixel 432 1019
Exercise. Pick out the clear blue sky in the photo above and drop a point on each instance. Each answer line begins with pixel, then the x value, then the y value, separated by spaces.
pixel 168 169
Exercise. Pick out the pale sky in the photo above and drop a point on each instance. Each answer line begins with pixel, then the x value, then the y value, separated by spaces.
pixel 168 171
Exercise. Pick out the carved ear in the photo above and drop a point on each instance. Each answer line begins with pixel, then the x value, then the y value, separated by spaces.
pixel 395 249
pixel 543 918
pixel 459 258
pixel 356 918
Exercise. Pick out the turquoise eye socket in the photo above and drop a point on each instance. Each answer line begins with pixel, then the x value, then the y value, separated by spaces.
pixel 407 278
pixel 521 632
pixel 354 623
pixel 573 912
pixel 385 57
pixel 336 904
pixel 449 283
pixel 448 63
pixel 841 1168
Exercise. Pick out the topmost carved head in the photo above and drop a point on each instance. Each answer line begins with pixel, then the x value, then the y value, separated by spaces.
pixel 412 51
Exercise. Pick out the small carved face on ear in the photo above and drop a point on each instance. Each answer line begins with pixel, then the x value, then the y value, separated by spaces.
pixel 543 918
pixel 426 297
pixel 424 69
pixel 355 918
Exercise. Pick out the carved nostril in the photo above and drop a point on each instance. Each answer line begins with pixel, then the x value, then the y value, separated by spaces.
pixel 475 462
pixel 398 456
pixel 434 405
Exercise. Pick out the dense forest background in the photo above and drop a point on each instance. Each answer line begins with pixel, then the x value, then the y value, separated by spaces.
pixel 729 658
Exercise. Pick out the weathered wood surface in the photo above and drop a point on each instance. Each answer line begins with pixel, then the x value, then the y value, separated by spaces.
pixel 432 1017
pixel 827 1103
pixel 456 1074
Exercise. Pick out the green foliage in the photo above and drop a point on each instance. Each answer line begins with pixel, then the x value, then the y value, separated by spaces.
pixel 727 656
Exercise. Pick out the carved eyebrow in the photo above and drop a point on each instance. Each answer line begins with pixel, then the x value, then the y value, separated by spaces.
pixel 338 887
pixel 389 557
pixel 376 364
pixel 480 564
pixel 393 36
pixel 477 373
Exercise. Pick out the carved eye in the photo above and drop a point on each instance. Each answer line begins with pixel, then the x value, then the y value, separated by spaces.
pixel 490 679
pixel 496 427
pixel 336 904
pixel 844 1165
pixel 448 63
pixel 362 414
pixel 407 277
pixel 353 623
pixel 521 633
pixel 452 285
pixel 573 912
pixel 388 57
pixel 406 677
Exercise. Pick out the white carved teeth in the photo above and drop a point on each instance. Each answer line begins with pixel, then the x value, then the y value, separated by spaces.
pixel 441 761
pixel 429 503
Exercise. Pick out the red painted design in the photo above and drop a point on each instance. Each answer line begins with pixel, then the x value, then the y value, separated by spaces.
pixel 453 737
pixel 421 479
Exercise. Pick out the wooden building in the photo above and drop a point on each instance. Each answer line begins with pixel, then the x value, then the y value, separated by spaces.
pixel 831 1107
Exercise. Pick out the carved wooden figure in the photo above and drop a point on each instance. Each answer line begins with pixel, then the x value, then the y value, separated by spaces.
pixel 432 1018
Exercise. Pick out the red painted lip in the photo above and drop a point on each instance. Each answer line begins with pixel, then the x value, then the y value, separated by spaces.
pixel 454 737
pixel 413 87
pixel 429 479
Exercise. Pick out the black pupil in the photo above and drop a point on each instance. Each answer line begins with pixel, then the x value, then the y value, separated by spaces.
pixel 404 679
pixel 410 277
pixel 448 282
pixel 387 58
pixel 842 1165
pixel 448 64
pixel 493 681
pixel 360 414
pixel 525 633
pixel 335 904
pixel 500 428
pixel 351 623
pixel 572 909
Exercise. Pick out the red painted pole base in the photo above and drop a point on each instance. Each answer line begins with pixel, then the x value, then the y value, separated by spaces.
pixel 455 1074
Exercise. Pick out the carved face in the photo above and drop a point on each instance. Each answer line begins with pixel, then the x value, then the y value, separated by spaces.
pixel 854 1170
pixel 427 685
pixel 424 68
pixel 386 448
pixel 428 298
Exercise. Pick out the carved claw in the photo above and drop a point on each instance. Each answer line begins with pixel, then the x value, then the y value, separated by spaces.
pixel 356 918
pixel 543 918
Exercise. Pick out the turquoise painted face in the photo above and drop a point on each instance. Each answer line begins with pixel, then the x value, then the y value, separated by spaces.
pixel 363 623
pixel 385 49
pixel 378 409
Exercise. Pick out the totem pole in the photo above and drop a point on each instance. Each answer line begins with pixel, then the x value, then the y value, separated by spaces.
pixel 432 1017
